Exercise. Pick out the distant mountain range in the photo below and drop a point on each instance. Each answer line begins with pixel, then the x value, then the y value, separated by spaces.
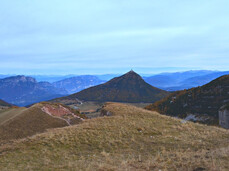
pixel 32 91
pixel 183 80
pixel 129 87
pixel 201 102
pixel 56 78
pixel 78 83
pixel 166 81
pixel 22 91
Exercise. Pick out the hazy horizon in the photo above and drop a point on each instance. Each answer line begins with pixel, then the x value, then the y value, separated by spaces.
pixel 114 73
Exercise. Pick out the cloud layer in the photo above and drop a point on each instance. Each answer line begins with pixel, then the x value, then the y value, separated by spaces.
pixel 85 37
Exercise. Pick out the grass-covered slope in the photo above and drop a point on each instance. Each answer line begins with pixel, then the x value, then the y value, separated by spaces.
pixel 27 122
pixel 20 122
pixel 129 87
pixel 130 139
pixel 205 100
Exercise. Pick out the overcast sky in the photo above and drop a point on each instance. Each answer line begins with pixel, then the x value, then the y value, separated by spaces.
pixel 113 36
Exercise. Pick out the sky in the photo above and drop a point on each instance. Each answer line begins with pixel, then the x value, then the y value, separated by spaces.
pixel 113 36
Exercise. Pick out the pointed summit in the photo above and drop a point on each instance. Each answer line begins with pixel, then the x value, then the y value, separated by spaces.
pixel 129 87
pixel 131 72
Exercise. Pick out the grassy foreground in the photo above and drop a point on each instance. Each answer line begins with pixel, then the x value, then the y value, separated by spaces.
pixel 131 139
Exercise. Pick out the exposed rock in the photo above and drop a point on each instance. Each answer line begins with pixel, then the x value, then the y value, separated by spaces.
pixel 61 112
pixel 224 117
pixel 104 112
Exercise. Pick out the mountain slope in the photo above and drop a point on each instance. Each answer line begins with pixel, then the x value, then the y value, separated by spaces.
pixel 20 122
pixel 78 83
pixel 22 91
pixel 202 101
pixel 4 104
pixel 131 139
pixel 129 87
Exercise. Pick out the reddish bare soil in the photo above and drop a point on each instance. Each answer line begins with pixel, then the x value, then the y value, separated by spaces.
pixel 61 112
pixel 56 110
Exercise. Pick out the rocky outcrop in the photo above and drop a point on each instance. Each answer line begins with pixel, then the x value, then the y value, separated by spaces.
pixel 104 112
pixel 224 116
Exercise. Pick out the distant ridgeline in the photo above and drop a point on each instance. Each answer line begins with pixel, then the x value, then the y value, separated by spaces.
pixel 22 91
pixel 129 87
pixel 203 102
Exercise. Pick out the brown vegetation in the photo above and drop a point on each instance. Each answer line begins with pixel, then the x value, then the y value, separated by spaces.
pixel 16 123
pixel 203 101
pixel 130 139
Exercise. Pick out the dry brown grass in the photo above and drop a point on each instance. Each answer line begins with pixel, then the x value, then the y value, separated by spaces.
pixel 131 139
pixel 21 122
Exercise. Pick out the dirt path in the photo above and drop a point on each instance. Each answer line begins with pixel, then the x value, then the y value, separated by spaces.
pixel 9 114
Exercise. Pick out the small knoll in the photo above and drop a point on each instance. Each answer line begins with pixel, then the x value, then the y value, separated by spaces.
pixel 129 87
pixel 17 123
pixel 130 138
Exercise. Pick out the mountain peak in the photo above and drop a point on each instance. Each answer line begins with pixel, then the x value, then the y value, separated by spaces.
pixel 129 87
pixel 132 75
pixel 131 72
pixel 20 78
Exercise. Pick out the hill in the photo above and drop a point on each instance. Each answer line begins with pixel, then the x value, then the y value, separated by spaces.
pixel 78 83
pixel 129 87
pixel 20 122
pixel 202 102
pixel 4 104
pixel 22 91
pixel 130 139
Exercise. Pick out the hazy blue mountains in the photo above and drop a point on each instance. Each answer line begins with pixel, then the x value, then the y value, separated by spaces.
pixel 78 83
pixel 22 91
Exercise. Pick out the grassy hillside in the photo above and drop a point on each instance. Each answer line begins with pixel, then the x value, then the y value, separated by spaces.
pixel 10 113
pixel 16 123
pixel 204 101
pixel 130 139
pixel 26 123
